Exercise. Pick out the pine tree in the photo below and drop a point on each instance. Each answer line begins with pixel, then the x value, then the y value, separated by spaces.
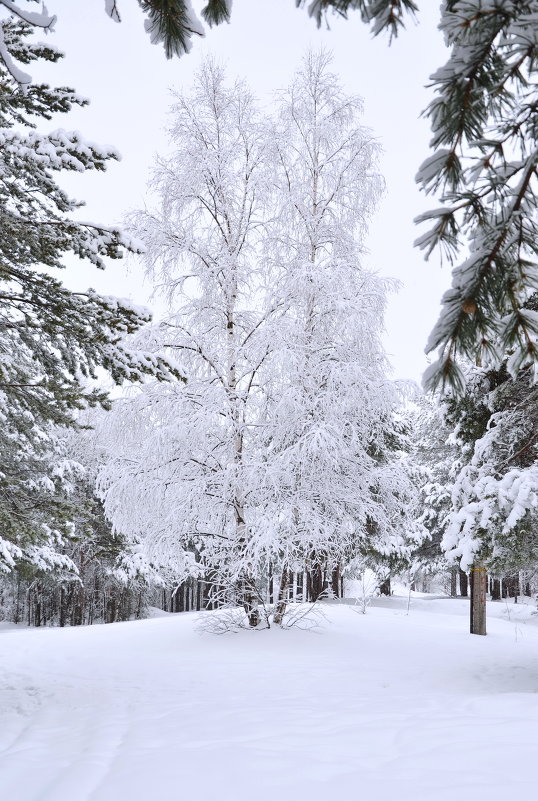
pixel 171 23
pixel 52 340
pixel 484 164
pixel 491 524
pixel 435 456
pixel 496 490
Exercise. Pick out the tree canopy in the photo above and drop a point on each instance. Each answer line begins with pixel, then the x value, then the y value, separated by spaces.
pixel 282 451
pixel 483 166
pixel 53 341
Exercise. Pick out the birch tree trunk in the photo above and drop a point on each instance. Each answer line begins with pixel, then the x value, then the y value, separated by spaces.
pixel 282 603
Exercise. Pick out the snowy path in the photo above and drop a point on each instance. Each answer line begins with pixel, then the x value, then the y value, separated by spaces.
pixel 392 705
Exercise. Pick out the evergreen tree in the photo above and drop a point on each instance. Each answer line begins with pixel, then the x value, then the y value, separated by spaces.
pixel 484 164
pixel 52 340
pixel 435 456
pixel 495 493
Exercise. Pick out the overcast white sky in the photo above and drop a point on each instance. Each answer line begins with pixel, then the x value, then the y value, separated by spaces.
pixel 127 80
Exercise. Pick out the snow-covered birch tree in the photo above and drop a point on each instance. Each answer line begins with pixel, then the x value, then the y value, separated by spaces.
pixel 330 407
pixel 197 458
pixel 281 448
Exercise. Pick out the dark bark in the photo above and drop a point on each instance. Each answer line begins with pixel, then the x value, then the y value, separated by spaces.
pixel 270 581
pixel 453 582
pixel 315 582
pixel 384 587
pixel 17 615
pixel 300 586
pixel 495 589
pixel 464 584
pixel 335 581
pixel 249 600
pixel 111 611
pixel 62 607
pixel 512 586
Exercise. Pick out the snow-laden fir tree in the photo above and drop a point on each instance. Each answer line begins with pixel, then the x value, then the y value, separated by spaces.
pixel 175 23
pixel 436 456
pixel 280 448
pixel 52 340
pixel 172 23
pixel 495 493
pixel 484 166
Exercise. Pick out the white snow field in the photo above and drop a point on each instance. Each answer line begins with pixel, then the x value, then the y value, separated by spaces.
pixel 381 706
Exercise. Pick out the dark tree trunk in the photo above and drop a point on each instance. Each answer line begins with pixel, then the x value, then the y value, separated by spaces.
pixel 270 584
pixel 315 580
pixel 453 582
pixel 300 586
pixel 335 581
pixel 479 584
pixel 384 587
pixel 17 615
pixel 512 586
pixel 247 596
pixel 111 611
pixel 62 607
pixel 187 596
pixel 495 589
pixel 464 584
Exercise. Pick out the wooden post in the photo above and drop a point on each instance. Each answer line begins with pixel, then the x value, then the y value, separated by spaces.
pixel 479 584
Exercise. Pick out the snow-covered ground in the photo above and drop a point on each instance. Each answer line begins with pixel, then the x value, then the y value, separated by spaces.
pixel 381 706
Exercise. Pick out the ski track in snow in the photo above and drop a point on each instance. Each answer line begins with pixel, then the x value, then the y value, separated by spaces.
pixel 392 705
